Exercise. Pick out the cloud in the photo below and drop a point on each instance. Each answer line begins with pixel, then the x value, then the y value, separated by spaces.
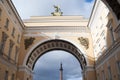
pixel 27 8
pixel 88 0
pixel 47 66
pixel 88 8
pixel 76 79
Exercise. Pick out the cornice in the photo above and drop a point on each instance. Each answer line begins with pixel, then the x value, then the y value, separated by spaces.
pixel 12 7
pixel 25 68
pixel 55 19
pixel 94 12
pixel 46 21
pixel 78 29
pixel 58 35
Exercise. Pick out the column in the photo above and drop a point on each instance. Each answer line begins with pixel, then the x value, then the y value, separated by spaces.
pixel 61 72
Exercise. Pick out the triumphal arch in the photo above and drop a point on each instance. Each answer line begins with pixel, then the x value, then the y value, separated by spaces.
pixel 68 33
pixel 95 42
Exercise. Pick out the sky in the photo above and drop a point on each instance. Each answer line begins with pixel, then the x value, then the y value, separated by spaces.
pixel 47 66
pixel 27 8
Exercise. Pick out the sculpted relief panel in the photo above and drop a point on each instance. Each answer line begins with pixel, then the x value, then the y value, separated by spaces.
pixel 28 42
pixel 84 42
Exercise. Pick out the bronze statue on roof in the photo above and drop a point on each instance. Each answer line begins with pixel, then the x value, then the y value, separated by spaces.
pixel 57 11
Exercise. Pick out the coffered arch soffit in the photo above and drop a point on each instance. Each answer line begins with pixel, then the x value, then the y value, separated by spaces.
pixel 55 44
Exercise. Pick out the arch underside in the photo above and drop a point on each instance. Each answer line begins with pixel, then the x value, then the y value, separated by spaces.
pixel 55 45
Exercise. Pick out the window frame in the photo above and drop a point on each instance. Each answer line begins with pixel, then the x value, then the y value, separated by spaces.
pixel 7 23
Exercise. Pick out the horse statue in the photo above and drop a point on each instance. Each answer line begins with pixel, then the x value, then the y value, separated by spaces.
pixel 57 11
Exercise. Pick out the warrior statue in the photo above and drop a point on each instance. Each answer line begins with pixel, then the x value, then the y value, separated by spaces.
pixel 57 11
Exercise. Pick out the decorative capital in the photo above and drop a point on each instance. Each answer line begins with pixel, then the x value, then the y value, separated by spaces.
pixel 28 42
pixel 84 42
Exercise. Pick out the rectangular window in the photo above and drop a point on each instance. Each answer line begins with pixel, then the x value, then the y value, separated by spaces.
pixel 110 28
pixel 18 40
pixel 97 34
pixel 119 32
pixel 16 52
pixel 98 77
pixel 10 48
pixel 97 40
pixel 7 23
pixel 12 78
pixel 103 75
pixel 0 13
pixel 112 33
pixel 0 16
pixel 3 41
pixel 13 32
pixel 6 75
pixel 109 73
pixel 101 26
pixel 118 67
pixel 103 33
pixel 2 1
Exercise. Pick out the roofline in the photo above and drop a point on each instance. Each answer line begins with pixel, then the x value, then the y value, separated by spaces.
pixel 16 13
pixel 92 12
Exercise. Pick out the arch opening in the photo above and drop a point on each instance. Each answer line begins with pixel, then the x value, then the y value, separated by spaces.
pixel 55 45
pixel 49 63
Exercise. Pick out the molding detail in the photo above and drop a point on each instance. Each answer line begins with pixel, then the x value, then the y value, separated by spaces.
pixel 24 68
pixel 84 42
pixel 28 42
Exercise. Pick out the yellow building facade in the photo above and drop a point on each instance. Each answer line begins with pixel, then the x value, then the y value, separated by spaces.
pixel 11 31
pixel 94 42
pixel 103 28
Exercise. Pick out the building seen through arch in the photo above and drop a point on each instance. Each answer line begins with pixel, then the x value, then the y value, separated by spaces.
pixel 95 42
